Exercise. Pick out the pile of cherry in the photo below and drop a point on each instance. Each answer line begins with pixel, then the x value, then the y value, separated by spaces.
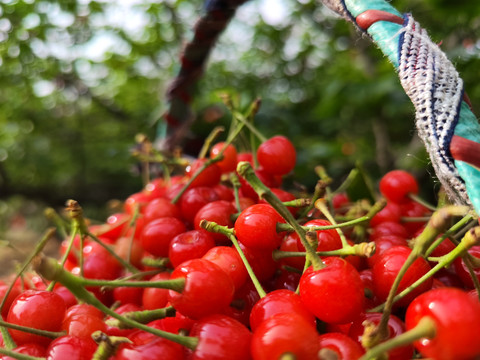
pixel 247 271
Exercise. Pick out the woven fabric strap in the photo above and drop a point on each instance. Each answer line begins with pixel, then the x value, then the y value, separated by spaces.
pixel 436 91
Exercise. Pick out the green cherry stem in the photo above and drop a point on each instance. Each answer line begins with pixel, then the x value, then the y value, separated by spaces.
pixel 107 345
pixel 456 227
pixel 16 355
pixel 471 238
pixel 245 170
pixel 287 227
pixel 421 201
pixel 209 141
pixel 230 234
pixel 34 331
pixel 361 249
pixel 51 270
pixel 319 191
pixel 424 329
pixel 236 190
pixel 143 316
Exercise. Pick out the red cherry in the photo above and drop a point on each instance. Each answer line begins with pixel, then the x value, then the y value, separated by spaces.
pixel 31 349
pixel 219 211
pixel 383 243
pixel 160 208
pixel 128 294
pixel 290 243
pixel 221 337
pixel 414 209
pixel 343 346
pixel 388 228
pixel 391 212
pixel 276 302
pixel 261 262
pixel 397 184
pixel 255 227
pixel 84 325
pixel 157 235
pixel 14 292
pixel 230 261
pixel 157 348
pixel 139 199
pixel 385 271
pixel 327 239
pixel 337 277
pixel 208 289
pixel 155 298
pixel 395 328
pixel 72 348
pixel 38 309
pixel 462 270
pixel 283 196
pixel 285 333
pixel 224 192
pixel 457 323
pixel 189 245
pixel 229 162
pixel 266 178
pixel 194 199
pixel 208 177
pixel 277 155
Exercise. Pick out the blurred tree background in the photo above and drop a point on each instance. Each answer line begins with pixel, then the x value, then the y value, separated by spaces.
pixel 79 79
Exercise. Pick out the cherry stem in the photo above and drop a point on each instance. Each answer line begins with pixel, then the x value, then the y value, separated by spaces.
pixel 244 120
pixel 458 225
pixel 19 356
pixel 319 191
pixel 49 269
pixel 160 263
pixel 59 222
pixel 436 225
pixel 287 356
pixel 34 331
pixel 321 205
pixel 230 234
pixel 236 187
pixel 328 354
pixel 287 227
pixel 425 328
pixel 245 170
pixel 421 201
pixel 361 249
pixel 107 345
pixel 143 316
pixel 471 238
pixel 209 141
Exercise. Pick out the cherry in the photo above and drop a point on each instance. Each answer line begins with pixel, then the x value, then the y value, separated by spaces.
pixel 229 161
pixel 139 199
pixel 277 155
pixel 255 227
pixel 457 323
pixel 14 292
pixel 127 294
pixel 462 270
pixel 31 349
pixel 283 196
pixel 343 346
pixel 290 243
pixel 194 199
pixel 189 245
pixel 221 337
pixel 327 239
pixel 155 298
pixel 157 348
pixel 219 211
pixel 266 178
pixel 382 243
pixel 208 289
pixel 157 235
pixel 414 209
pixel 208 177
pixel 114 227
pixel 388 228
pixel 261 261
pixel 279 301
pixel 395 327
pixel 83 325
pixel 397 184
pixel 337 277
pixel 285 333
pixel 72 348
pixel 160 208
pixel 38 309
pixel 230 261
pixel 130 250
pixel 392 212
pixel 224 192
pixel 156 188
pixel 385 271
